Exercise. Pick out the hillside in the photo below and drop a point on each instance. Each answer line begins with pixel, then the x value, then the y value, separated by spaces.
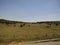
pixel 25 31
pixel 12 22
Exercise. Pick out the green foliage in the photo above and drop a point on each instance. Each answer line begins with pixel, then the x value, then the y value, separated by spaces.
pixel 21 25
pixel 50 22
pixel 9 22
pixel 56 24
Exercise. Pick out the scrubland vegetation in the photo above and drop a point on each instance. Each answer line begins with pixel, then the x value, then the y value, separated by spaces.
pixel 24 31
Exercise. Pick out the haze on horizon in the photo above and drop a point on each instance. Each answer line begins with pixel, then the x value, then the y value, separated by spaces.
pixel 30 10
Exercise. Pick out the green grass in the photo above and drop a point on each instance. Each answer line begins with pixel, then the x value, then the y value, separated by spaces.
pixel 28 32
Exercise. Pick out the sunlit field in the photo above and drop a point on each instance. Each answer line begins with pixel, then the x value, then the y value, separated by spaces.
pixel 21 32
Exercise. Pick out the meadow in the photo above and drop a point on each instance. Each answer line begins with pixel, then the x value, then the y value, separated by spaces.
pixel 25 31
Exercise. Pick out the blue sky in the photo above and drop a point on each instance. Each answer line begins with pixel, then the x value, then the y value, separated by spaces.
pixel 30 10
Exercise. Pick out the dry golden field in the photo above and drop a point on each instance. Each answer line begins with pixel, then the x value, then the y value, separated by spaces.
pixel 21 32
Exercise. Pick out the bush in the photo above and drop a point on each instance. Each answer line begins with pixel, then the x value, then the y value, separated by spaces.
pixel 24 24
pixel 21 25
pixel 56 24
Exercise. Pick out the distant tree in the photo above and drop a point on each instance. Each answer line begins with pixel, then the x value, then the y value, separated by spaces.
pixel 6 23
pixel 49 24
pixel 21 25
pixel 2 22
pixel 56 24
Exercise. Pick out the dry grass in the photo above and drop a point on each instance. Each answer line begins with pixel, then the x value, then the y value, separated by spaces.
pixel 28 32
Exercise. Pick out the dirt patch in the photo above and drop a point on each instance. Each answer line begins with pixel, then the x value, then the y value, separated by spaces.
pixel 26 43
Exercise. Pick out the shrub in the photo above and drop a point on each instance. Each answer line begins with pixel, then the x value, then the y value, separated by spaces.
pixel 56 24
pixel 24 24
pixel 21 25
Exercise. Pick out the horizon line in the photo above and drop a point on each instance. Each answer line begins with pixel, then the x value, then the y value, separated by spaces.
pixel 29 21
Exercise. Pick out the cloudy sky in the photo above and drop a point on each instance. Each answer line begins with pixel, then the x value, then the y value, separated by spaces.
pixel 30 10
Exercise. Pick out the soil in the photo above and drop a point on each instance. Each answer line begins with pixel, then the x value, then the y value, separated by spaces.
pixel 26 43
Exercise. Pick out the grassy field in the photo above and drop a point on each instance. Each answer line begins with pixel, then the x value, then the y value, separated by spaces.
pixel 28 31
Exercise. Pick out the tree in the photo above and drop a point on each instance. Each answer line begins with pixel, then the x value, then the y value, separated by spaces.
pixel 21 25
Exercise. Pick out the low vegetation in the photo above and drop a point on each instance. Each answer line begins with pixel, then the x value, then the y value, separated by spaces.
pixel 22 31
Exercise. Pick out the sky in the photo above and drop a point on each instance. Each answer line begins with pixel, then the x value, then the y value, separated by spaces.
pixel 30 10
